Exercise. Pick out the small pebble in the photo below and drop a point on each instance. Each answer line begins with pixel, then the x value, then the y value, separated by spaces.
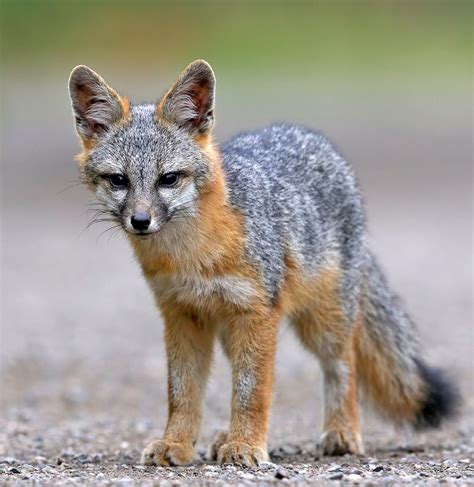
pixel 290 449
pixel 38 460
pixel 267 465
pixel 9 460
pixel 246 476
pixel 281 473
pixel 353 477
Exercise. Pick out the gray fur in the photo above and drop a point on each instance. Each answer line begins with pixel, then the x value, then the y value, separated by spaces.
pixel 144 150
pixel 298 196
pixel 381 306
pixel 244 386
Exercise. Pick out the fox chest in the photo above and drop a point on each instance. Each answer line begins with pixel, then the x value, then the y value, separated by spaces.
pixel 204 292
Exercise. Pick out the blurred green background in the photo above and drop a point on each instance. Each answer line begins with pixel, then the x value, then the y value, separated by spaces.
pixel 390 82
pixel 385 38
pixel 335 65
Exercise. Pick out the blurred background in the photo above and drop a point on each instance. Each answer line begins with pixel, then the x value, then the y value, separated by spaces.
pixel 390 82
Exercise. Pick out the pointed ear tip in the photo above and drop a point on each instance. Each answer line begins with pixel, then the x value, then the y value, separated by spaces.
pixel 202 63
pixel 79 71
pixel 80 68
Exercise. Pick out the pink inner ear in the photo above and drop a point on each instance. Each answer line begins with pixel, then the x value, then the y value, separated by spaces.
pixel 83 96
pixel 201 99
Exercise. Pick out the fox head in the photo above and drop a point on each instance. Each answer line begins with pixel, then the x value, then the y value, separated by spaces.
pixel 147 164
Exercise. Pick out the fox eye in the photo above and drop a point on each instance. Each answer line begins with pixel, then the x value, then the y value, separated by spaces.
pixel 117 180
pixel 169 179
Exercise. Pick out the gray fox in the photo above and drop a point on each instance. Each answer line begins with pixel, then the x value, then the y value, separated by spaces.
pixel 232 239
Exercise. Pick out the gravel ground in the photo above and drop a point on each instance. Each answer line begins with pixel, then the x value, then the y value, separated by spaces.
pixel 86 452
pixel 83 366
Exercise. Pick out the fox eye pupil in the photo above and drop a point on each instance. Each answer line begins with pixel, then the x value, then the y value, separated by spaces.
pixel 118 180
pixel 169 179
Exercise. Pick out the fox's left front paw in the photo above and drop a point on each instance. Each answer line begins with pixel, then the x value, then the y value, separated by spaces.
pixel 241 454
pixel 167 454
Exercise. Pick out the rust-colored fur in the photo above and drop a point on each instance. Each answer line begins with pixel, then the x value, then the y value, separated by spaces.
pixel 377 373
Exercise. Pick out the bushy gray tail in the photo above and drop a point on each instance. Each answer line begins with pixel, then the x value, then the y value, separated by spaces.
pixel 389 366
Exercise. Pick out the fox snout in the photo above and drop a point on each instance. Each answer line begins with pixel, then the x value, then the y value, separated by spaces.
pixel 143 220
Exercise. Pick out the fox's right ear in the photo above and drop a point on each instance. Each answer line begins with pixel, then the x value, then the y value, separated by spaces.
pixel 96 105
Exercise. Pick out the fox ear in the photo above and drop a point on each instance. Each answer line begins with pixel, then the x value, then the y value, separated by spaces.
pixel 190 102
pixel 96 106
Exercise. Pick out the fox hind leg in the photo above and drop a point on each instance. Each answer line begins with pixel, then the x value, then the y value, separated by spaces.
pixel 341 417
pixel 332 341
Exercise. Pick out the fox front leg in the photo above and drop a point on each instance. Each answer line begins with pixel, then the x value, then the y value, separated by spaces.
pixel 249 342
pixel 189 350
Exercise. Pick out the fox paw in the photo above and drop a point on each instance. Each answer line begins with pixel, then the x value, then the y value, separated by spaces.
pixel 168 454
pixel 340 442
pixel 241 454
pixel 219 439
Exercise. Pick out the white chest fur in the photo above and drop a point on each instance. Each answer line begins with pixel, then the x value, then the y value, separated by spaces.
pixel 198 290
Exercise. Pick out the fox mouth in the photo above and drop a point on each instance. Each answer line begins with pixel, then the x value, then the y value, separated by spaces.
pixel 142 235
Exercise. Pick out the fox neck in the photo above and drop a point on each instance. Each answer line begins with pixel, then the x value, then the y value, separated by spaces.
pixel 207 245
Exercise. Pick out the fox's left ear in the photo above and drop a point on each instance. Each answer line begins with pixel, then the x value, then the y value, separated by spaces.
pixel 190 102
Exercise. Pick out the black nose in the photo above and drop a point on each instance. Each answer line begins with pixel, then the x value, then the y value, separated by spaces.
pixel 141 220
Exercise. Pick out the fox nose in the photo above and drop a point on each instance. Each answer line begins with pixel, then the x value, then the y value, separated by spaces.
pixel 140 220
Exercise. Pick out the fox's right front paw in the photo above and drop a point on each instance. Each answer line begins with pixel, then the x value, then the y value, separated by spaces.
pixel 167 454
